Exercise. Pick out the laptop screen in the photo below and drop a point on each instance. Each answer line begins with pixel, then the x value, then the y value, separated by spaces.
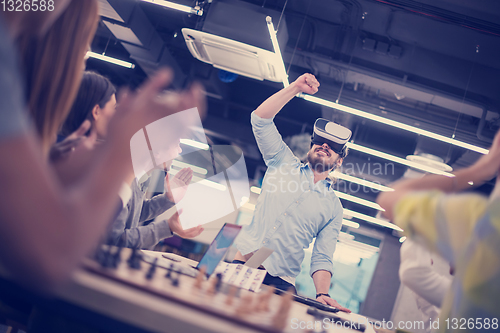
pixel 218 249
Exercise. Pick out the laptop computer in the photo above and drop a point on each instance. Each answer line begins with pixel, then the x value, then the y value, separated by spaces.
pixel 215 253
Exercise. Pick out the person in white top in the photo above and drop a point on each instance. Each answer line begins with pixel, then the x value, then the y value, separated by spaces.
pixel 428 276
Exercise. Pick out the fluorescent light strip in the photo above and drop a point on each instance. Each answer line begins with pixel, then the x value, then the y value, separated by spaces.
pixel 350 224
pixel 371 219
pixel 195 168
pixel 244 200
pixel 363 182
pixel 393 123
pixel 367 115
pixel 277 51
pixel 357 200
pixel 176 6
pixel 110 59
pixel 202 181
pixel 195 144
pixel 396 159
pixel 249 206
pixel 341 195
pixel 255 189
pixel 209 183
pixel 348 178
pixel 345 236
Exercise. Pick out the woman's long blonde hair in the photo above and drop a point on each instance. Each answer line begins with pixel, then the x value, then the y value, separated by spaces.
pixel 54 64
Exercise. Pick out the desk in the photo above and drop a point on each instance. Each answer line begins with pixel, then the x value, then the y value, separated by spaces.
pixel 171 310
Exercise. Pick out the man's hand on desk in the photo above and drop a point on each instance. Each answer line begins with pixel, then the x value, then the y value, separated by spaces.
pixel 330 301
pixel 175 226
pixel 321 280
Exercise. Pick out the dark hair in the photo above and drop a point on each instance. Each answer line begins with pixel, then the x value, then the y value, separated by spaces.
pixel 95 89
pixel 344 152
pixel 53 66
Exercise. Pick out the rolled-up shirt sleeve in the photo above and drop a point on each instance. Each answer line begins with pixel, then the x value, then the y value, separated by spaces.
pixel 270 143
pixel 147 236
pixel 126 231
pixel 325 244
pixel 155 206
pixel 141 237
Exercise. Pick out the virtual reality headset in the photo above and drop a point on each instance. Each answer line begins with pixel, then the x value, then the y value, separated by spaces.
pixel 335 135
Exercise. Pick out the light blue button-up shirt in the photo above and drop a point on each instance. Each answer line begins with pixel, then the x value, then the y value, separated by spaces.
pixel 291 210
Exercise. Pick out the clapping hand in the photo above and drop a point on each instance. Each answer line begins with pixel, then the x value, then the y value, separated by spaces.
pixel 75 155
pixel 61 150
pixel 175 226
pixel 177 186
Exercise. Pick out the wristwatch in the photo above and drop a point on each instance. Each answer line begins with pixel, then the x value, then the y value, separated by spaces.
pixel 322 294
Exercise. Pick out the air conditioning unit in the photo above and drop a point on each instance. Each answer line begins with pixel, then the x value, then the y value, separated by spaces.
pixel 233 56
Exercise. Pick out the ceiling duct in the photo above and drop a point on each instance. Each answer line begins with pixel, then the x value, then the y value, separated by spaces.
pixel 140 38
pixel 235 38
pixel 233 56
pixel 245 23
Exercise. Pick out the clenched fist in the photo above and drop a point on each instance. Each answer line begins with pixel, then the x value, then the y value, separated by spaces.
pixel 307 83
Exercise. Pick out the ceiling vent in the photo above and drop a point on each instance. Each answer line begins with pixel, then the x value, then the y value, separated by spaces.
pixel 233 56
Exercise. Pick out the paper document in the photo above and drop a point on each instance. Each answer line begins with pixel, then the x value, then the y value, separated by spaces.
pixel 241 276
pixel 259 257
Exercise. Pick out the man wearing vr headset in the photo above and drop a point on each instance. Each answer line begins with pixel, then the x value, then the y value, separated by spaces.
pixel 297 203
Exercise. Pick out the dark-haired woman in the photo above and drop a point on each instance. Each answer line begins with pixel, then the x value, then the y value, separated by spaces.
pixel 47 227
pixel 96 102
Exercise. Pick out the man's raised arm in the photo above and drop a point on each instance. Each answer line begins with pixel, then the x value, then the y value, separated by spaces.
pixel 271 145
pixel 306 83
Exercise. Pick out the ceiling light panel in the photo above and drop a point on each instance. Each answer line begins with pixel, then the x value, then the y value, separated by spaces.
pixel 393 123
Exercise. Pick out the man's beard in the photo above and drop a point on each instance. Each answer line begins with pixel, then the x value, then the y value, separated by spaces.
pixel 317 163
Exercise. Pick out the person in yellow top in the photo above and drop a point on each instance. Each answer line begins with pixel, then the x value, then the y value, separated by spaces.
pixel 465 229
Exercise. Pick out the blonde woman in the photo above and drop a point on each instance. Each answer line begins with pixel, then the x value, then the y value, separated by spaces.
pixel 46 228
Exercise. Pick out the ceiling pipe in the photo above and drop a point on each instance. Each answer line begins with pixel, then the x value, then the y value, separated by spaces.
pixel 482 123
pixel 440 14
pixel 141 40
pixel 298 61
